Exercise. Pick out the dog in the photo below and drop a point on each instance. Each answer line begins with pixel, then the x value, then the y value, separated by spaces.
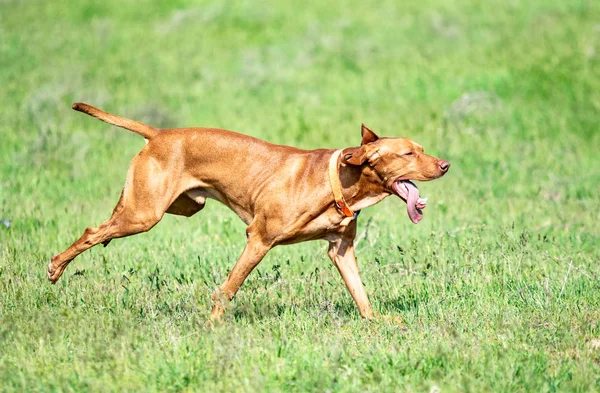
pixel 284 194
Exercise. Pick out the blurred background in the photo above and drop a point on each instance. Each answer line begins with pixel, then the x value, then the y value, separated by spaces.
pixel 507 91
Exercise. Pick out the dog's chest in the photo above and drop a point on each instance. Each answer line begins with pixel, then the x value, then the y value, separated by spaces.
pixel 317 228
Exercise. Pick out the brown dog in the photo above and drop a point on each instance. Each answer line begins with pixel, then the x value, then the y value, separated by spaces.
pixel 285 195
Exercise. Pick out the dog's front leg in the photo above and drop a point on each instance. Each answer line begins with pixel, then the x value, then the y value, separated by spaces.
pixel 256 248
pixel 341 252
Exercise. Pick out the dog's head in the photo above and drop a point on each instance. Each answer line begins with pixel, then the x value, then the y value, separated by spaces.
pixel 395 162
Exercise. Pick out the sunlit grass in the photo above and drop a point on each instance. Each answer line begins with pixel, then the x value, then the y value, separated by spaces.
pixel 495 290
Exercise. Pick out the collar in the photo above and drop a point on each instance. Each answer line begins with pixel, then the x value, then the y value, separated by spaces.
pixel 336 188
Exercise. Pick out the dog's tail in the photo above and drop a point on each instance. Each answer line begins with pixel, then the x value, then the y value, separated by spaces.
pixel 144 130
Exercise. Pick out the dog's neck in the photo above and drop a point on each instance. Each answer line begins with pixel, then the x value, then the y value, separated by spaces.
pixel 361 185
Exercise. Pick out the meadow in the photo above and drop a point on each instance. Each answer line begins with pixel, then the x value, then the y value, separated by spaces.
pixel 497 289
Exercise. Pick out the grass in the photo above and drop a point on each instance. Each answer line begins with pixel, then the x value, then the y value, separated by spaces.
pixel 495 290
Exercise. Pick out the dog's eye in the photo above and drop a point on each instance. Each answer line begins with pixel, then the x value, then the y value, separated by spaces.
pixel 410 153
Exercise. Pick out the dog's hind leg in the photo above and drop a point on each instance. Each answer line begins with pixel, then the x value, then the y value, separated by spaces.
pixel 147 195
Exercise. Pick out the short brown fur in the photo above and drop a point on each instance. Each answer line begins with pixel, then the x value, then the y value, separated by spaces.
pixel 282 193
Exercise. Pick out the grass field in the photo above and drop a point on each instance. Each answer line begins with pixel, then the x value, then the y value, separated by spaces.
pixel 497 289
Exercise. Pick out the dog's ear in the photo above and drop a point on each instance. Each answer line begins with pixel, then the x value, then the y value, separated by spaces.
pixel 354 156
pixel 359 155
pixel 368 136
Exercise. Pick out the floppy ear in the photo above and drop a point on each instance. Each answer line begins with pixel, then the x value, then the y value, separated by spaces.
pixel 368 136
pixel 354 155
pixel 359 155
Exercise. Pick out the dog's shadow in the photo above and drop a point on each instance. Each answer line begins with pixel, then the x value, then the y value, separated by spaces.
pixel 323 309
pixel 402 303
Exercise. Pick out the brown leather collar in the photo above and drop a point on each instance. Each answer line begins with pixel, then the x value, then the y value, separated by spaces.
pixel 336 188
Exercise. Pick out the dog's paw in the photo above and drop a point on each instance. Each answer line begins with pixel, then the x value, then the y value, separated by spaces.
pixel 55 269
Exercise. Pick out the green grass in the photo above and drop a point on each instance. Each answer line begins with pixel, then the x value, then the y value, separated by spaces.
pixel 497 289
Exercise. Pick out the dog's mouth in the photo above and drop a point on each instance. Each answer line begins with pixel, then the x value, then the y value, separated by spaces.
pixel 409 192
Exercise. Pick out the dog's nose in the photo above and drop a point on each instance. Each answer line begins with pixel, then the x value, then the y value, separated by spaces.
pixel 444 165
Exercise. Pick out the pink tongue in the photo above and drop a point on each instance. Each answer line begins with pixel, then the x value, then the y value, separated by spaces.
pixel 413 195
